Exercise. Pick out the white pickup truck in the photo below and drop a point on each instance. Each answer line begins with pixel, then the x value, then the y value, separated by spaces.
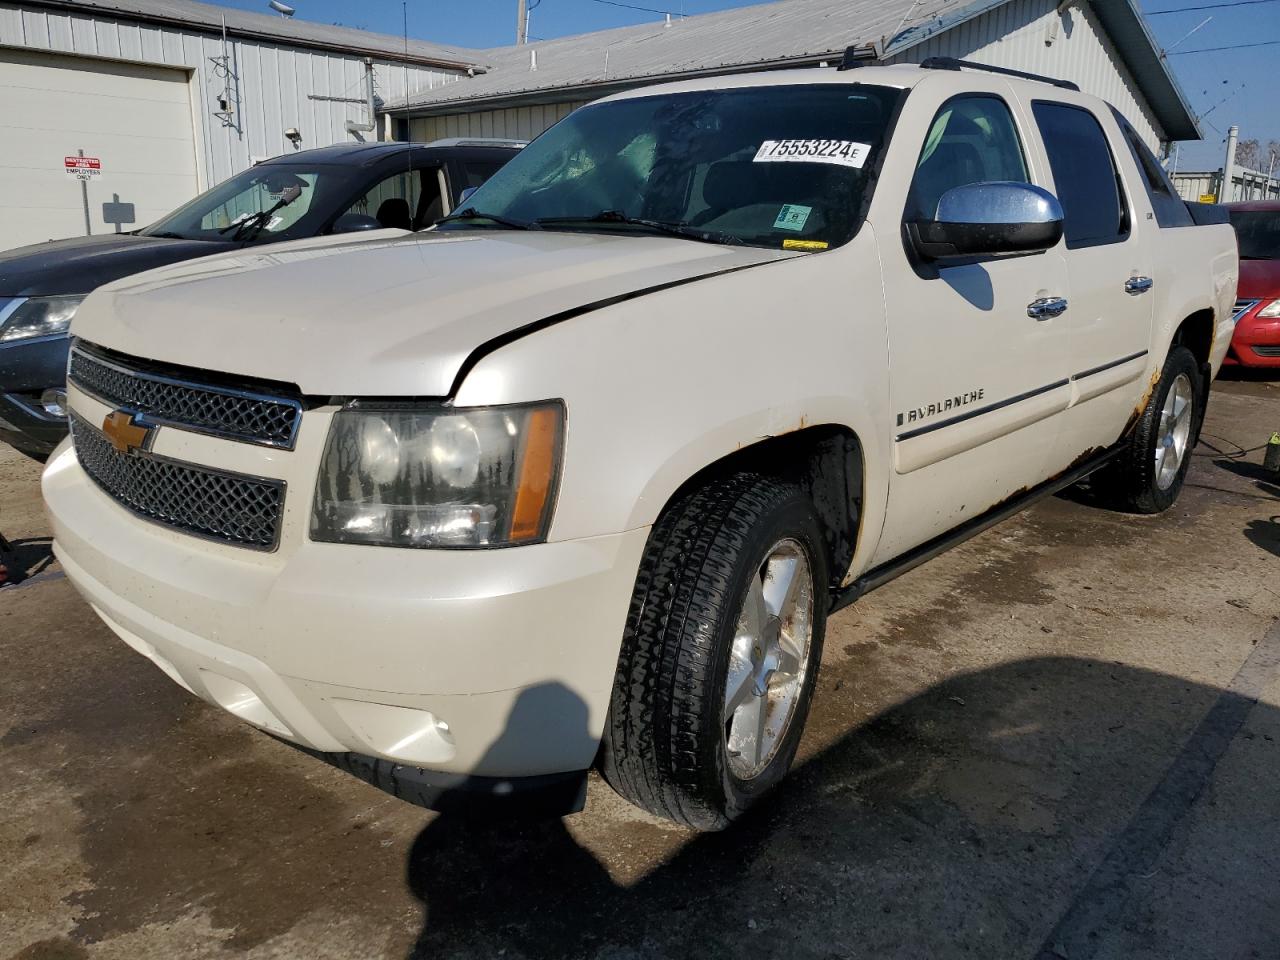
pixel 576 478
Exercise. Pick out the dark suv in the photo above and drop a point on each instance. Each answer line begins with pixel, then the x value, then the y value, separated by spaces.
pixel 340 189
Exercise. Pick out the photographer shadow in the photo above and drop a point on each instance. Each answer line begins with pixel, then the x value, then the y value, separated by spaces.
pixel 960 822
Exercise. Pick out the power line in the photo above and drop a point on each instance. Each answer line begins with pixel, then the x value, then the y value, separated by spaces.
pixel 1207 6
pixel 632 6
pixel 1234 46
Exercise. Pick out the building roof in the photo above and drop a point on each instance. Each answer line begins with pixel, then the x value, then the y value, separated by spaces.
pixel 782 33
pixel 189 15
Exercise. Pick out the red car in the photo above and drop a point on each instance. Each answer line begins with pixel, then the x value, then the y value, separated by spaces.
pixel 1257 339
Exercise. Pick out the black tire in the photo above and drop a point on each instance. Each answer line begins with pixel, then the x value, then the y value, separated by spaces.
pixel 1131 478
pixel 664 742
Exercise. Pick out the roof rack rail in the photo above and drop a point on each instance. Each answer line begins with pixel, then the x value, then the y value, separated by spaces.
pixel 951 63
pixel 858 55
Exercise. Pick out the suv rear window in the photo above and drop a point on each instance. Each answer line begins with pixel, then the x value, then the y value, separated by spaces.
pixel 1168 206
pixel 1084 174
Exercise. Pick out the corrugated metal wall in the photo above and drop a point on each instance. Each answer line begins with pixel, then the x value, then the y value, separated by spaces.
pixel 1245 185
pixel 520 123
pixel 1015 35
pixel 274 81
pixel 1018 35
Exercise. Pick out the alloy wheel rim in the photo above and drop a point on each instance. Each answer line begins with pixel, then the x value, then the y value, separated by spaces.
pixel 1174 432
pixel 769 659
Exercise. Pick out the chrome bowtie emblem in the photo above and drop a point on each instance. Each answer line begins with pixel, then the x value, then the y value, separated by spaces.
pixel 124 432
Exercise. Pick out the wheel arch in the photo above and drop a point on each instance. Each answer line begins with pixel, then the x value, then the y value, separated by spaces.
pixel 1196 333
pixel 827 461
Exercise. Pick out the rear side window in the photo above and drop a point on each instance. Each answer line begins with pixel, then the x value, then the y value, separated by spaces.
pixel 971 140
pixel 1084 174
pixel 1168 206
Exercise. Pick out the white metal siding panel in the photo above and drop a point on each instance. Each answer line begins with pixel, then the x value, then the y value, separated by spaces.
pixel 1015 34
pixel 136 119
pixel 519 123
pixel 275 80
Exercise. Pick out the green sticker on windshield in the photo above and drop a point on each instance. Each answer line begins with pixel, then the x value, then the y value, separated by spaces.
pixel 792 216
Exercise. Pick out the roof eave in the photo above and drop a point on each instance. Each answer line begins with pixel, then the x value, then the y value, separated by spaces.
pixel 250 33
pixel 592 90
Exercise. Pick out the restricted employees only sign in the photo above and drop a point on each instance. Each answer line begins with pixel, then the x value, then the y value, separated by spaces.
pixel 83 168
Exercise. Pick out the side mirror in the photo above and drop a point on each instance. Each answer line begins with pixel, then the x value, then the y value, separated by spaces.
pixel 466 195
pixel 989 220
pixel 355 222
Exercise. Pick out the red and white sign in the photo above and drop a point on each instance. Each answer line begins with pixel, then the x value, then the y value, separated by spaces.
pixel 82 168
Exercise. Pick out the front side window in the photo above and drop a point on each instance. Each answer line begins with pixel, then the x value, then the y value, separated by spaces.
pixel 972 140
pixel 1258 233
pixel 1084 174
pixel 406 200
pixel 782 166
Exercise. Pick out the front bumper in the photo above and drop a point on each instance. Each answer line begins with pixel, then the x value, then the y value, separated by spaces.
pixel 27 369
pixel 1256 341
pixel 483 664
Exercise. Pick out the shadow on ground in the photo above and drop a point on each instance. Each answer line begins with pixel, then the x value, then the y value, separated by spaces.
pixel 26 558
pixel 960 823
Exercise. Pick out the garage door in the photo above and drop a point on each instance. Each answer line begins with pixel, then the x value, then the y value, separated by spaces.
pixel 135 120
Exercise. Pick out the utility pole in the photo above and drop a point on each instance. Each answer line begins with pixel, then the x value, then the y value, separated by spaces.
pixel 522 21
pixel 1224 192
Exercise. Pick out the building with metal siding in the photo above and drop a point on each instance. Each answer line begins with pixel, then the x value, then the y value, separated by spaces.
pixel 96 70
pixel 1103 45
pixel 1245 185
pixel 280 69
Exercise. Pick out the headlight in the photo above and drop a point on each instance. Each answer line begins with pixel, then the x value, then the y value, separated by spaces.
pixel 1270 311
pixel 440 477
pixel 40 317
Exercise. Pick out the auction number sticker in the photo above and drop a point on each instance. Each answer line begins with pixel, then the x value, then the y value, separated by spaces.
pixel 844 153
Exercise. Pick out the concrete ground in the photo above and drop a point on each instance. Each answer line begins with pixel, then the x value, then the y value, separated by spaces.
pixel 1061 740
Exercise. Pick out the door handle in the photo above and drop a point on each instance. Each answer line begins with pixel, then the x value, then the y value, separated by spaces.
pixel 1138 284
pixel 1046 308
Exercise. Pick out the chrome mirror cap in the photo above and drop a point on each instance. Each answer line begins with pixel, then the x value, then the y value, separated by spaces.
pixel 998 202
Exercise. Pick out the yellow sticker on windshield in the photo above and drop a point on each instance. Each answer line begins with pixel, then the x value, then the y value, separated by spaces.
pixel 804 245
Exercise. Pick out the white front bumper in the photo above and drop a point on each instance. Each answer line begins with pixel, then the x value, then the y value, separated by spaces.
pixel 489 662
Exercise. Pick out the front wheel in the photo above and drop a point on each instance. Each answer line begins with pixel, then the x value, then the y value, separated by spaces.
pixel 1149 474
pixel 720 651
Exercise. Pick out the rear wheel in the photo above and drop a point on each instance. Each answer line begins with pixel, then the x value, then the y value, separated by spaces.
pixel 720 652
pixel 1149 475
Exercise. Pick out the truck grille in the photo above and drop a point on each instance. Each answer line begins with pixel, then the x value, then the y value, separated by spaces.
pixel 223 411
pixel 228 507
pixel 1242 307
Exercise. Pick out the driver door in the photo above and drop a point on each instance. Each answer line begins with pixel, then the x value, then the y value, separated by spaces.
pixel 976 383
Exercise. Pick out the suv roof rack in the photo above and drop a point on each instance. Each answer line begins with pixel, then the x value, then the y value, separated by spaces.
pixel 951 63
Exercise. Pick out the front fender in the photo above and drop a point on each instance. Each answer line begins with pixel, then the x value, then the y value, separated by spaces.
pixel 660 387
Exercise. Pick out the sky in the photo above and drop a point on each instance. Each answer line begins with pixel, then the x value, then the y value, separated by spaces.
pixel 1246 79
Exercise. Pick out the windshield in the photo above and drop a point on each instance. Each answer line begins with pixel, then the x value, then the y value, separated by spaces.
pixel 1258 233
pixel 217 214
pixel 786 166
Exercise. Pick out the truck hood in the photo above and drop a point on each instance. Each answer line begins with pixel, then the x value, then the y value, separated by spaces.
pixel 1259 279
pixel 81 264
pixel 382 318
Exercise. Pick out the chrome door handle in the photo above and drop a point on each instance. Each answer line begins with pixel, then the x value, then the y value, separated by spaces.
pixel 1138 284
pixel 1046 308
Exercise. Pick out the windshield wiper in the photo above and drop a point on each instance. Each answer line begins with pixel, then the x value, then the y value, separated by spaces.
pixel 679 228
pixel 471 213
pixel 262 217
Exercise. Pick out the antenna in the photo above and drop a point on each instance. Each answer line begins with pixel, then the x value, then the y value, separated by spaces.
pixel 283 9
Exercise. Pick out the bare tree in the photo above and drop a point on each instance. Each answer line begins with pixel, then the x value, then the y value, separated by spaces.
pixel 1249 154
